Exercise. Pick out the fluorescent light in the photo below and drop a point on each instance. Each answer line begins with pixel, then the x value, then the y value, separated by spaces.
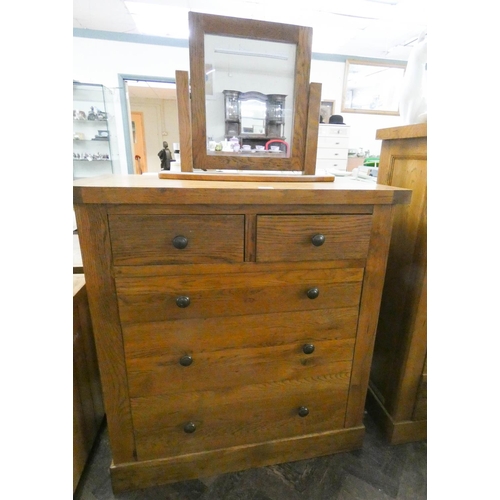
pixel 247 53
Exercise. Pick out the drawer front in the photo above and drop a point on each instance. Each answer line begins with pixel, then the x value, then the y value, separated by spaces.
pixel 217 353
pixel 149 239
pixel 161 298
pixel 333 142
pixel 239 415
pixel 330 165
pixel 290 238
pixel 327 130
pixel 332 153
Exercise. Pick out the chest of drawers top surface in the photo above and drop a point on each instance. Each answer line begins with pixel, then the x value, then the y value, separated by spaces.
pixel 140 189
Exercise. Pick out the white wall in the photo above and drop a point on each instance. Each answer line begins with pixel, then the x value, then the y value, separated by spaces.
pixel 101 61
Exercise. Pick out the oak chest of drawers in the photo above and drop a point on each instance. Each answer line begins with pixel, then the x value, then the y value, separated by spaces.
pixel 234 321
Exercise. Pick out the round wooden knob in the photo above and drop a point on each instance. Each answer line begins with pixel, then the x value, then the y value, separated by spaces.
pixel 308 348
pixel 312 293
pixel 186 360
pixel 303 411
pixel 180 242
pixel 190 427
pixel 183 301
pixel 318 240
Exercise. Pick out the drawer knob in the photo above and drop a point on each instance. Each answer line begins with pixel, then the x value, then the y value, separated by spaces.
pixel 190 427
pixel 303 411
pixel 186 360
pixel 308 348
pixel 312 293
pixel 180 242
pixel 182 301
pixel 318 240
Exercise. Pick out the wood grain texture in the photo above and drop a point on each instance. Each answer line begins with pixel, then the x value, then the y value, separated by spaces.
pixel 155 298
pixel 289 238
pixel 148 239
pixel 401 342
pixel 184 117
pixel 312 128
pixel 404 132
pixel 240 415
pixel 96 256
pixel 368 312
pixel 211 176
pixel 150 190
pixel 88 410
pixel 131 476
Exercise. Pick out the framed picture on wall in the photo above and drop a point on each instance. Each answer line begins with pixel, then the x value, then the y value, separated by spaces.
pixel 327 109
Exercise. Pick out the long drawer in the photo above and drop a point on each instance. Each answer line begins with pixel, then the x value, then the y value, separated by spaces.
pixel 312 237
pixel 333 142
pixel 176 239
pixel 181 423
pixel 199 354
pixel 161 298
pixel 332 154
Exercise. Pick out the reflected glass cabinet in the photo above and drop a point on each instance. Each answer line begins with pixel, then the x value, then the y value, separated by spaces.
pixel 94 131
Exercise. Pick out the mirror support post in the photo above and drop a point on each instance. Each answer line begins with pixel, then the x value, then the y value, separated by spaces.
pixel 184 116
pixel 314 103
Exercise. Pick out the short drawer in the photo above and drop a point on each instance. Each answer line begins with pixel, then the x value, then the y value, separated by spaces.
pixel 332 153
pixel 182 423
pixel 328 130
pixel 176 239
pixel 333 142
pixel 312 237
pixel 162 298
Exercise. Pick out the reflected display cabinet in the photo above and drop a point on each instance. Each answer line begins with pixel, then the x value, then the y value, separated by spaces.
pixel 94 131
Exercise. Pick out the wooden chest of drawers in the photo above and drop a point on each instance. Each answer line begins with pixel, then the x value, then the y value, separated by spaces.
pixel 234 321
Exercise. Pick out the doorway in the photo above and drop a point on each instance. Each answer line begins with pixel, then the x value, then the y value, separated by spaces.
pixel 150 118
pixel 138 142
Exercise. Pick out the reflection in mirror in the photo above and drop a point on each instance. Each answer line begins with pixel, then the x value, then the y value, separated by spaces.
pixel 372 87
pixel 249 89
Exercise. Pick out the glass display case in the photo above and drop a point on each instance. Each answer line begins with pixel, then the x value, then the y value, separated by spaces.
pixel 94 131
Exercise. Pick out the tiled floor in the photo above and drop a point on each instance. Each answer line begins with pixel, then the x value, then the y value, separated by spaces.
pixel 376 472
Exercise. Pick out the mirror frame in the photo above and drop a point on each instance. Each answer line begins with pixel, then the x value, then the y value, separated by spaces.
pixel 207 24
pixel 375 65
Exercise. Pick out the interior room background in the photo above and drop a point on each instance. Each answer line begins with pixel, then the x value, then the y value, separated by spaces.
pixel 105 61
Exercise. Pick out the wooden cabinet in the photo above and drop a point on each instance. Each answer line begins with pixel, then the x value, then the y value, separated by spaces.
pixel 235 321
pixel 397 397
pixel 88 409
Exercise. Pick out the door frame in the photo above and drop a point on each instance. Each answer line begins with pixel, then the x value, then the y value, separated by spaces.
pixel 126 113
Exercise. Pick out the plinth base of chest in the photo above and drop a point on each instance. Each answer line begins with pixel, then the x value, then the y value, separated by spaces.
pixel 145 474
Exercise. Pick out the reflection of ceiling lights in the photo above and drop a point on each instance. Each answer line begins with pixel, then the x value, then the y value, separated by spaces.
pixel 247 53
pixel 159 20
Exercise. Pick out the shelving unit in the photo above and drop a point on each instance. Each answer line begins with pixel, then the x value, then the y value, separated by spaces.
pixel 94 131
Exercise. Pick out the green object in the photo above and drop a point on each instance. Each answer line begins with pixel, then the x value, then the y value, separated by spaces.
pixel 371 161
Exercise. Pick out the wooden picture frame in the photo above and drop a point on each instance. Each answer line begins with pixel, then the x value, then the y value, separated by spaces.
pixel 327 109
pixel 201 25
pixel 372 87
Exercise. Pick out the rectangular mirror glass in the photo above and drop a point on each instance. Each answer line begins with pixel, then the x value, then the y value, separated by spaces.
pixel 372 88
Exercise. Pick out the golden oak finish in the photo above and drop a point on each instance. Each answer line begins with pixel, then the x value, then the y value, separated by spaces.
pixel 184 115
pixel 88 409
pixel 250 342
pixel 398 378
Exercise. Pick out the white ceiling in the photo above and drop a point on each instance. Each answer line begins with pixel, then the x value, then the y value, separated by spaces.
pixel 380 29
